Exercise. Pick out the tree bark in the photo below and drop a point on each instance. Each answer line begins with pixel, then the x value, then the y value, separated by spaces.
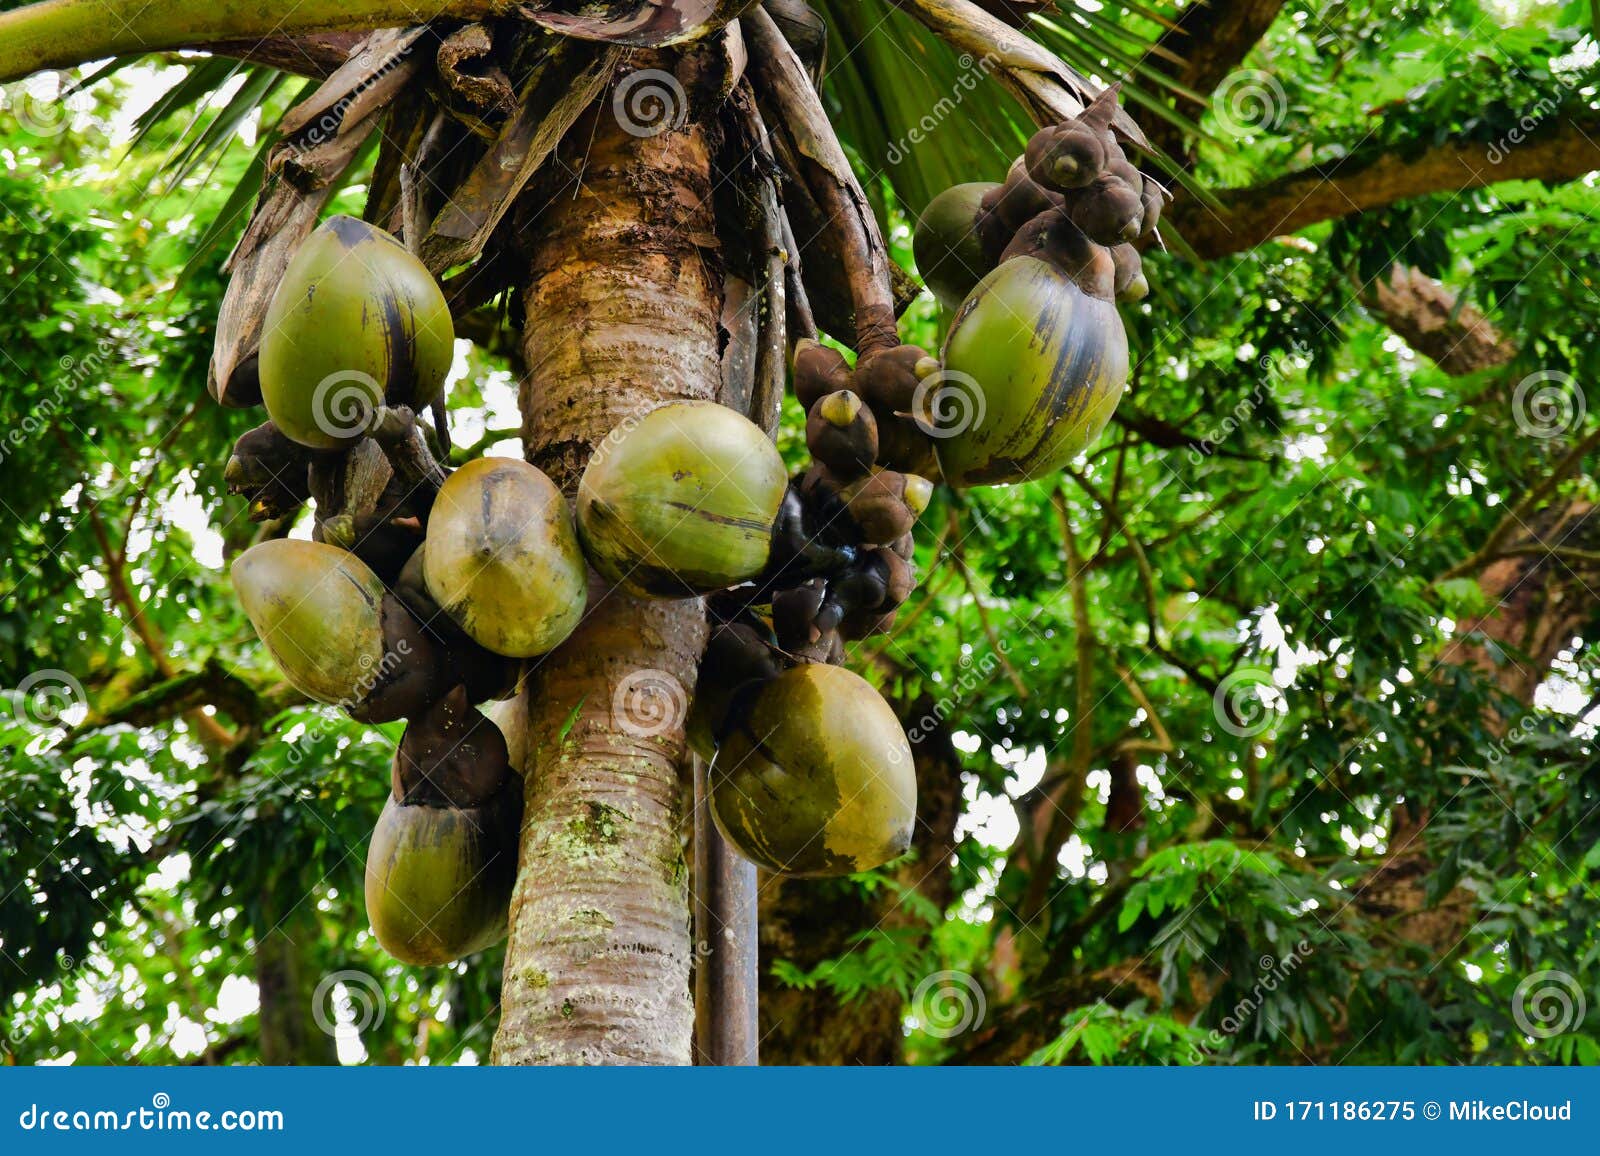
pixel 289 1034
pixel 622 298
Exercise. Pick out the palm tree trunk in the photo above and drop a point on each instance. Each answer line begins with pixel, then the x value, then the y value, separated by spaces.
pixel 622 302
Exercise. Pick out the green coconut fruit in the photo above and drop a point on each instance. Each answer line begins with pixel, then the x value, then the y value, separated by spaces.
pixel 683 503
pixel 1033 370
pixel 816 778
pixel 319 610
pixel 438 882
pixel 502 559
pixel 950 254
pixel 356 322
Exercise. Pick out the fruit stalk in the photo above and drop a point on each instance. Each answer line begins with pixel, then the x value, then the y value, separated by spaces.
pixel 804 140
pixel 64 33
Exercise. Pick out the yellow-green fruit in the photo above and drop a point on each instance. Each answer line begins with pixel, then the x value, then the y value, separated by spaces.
pixel 1033 370
pixel 818 780
pixel 357 322
pixel 319 611
pixel 438 884
pixel 950 254
pixel 683 503
pixel 502 558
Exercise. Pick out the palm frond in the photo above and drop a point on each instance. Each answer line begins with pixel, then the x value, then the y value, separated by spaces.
pixel 914 110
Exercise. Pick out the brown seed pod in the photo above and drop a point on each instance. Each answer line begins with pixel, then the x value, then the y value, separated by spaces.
pixel 905 446
pixel 270 471
pixel 1102 110
pixel 739 659
pixel 1109 211
pixel 794 614
pixel 818 371
pixel 415 670
pixel 888 379
pixel 885 506
pixel 485 674
pixel 1021 199
pixel 451 755
pixel 842 434
pixel 1054 238
pixel 1130 281
pixel 1152 198
pixel 860 624
pixel 827 650
pixel 899 578
pixel 1067 156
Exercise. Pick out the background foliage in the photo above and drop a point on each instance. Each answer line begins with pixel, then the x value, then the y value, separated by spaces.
pixel 1239 779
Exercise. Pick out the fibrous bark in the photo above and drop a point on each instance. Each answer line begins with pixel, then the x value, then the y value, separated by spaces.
pixel 622 300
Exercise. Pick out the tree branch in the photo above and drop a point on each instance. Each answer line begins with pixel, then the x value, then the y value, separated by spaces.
pixel 1561 148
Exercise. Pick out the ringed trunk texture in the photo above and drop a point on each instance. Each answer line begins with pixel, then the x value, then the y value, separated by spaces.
pixel 289 1035
pixel 622 301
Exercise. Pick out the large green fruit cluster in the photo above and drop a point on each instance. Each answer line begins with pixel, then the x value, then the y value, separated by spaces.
pixel 424 590
pixel 1037 357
